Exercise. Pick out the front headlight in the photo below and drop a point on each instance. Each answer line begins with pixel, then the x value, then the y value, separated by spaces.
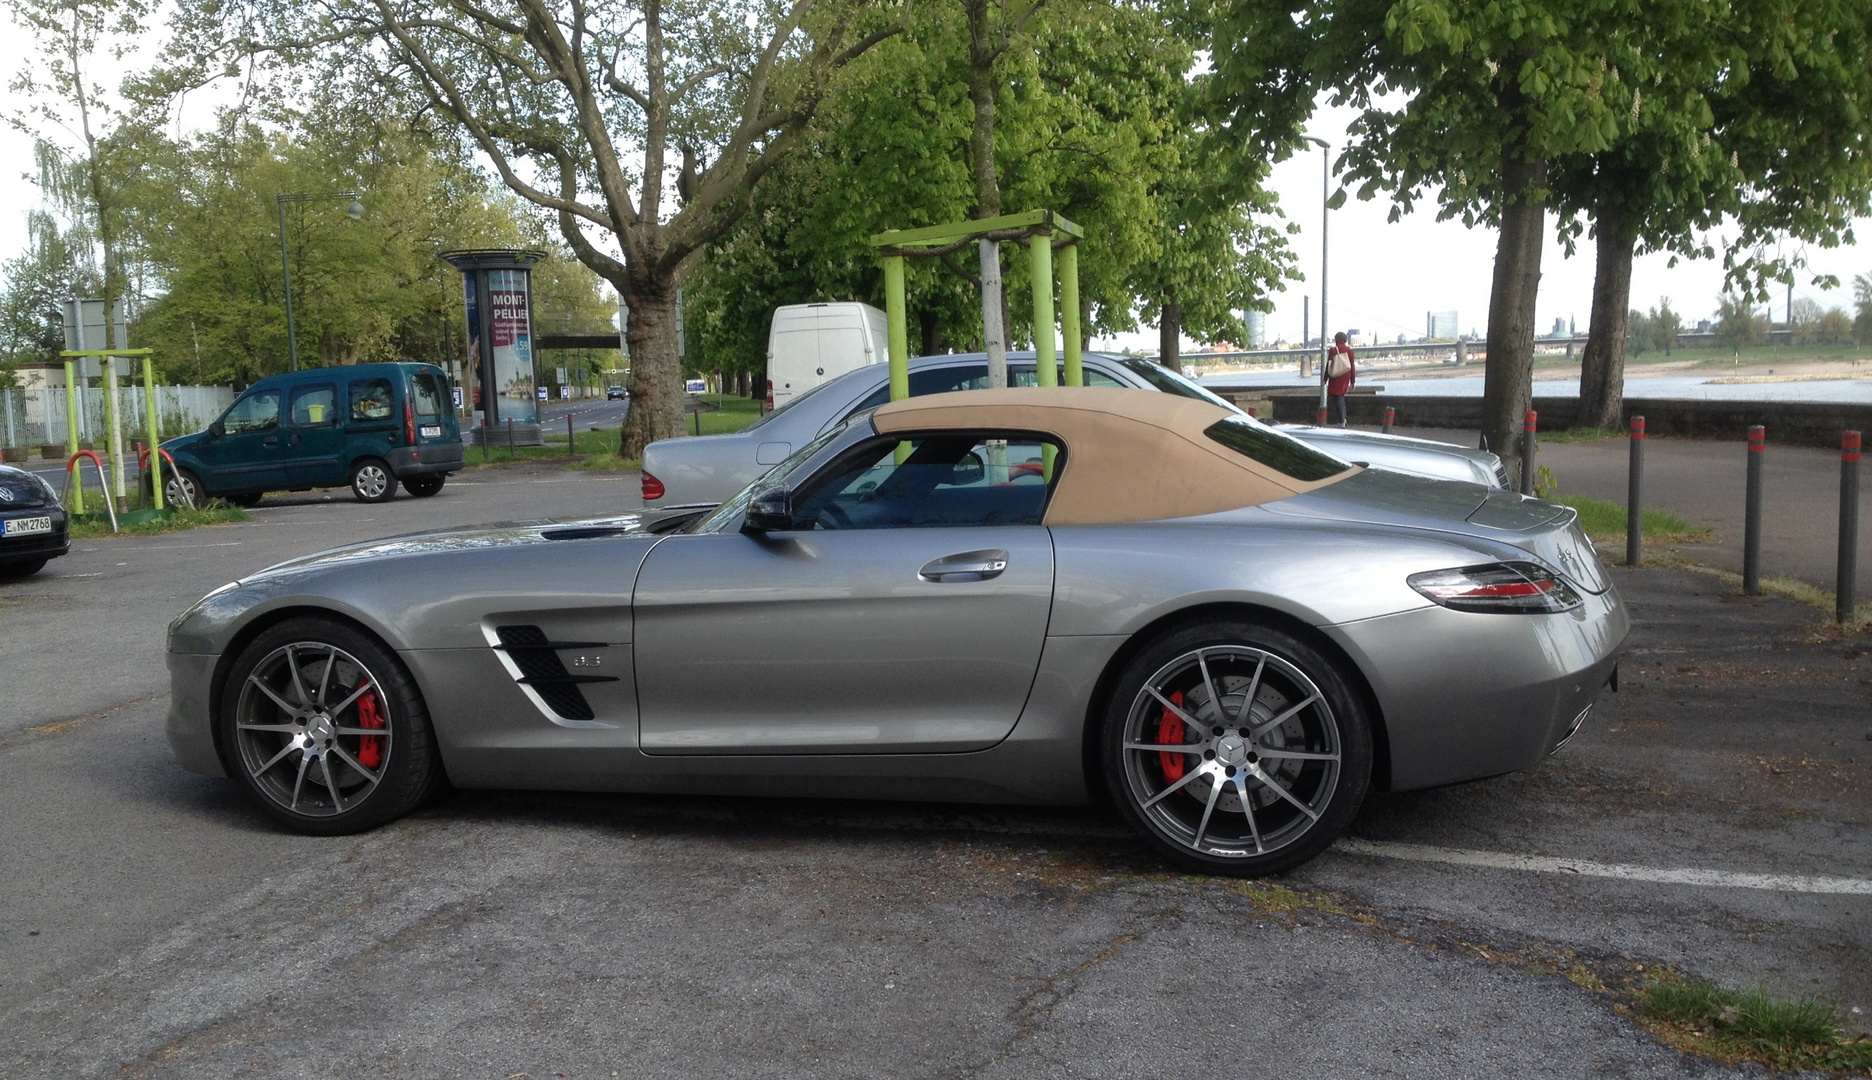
pixel 1524 588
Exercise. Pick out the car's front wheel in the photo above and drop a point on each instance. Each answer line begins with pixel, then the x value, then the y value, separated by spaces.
pixel 21 569
pixel 325 730
pixel 1236 748
pixel 181 488
pixel 372 481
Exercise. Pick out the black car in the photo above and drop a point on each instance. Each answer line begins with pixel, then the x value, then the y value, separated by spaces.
pixel 616 393
pixel 33 527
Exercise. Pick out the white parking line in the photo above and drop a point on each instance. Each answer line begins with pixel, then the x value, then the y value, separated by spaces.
pixel 1838 886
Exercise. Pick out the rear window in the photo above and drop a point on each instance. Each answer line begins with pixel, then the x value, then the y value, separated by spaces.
pixel 429 394
pixel 1169 382
pixel 1282 453
pixel 371 399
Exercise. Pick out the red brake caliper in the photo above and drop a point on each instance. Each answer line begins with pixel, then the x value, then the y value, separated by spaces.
pixel 1170 730
pixel 369 715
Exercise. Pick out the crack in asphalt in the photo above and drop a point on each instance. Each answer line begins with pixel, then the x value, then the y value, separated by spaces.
pixel 59 727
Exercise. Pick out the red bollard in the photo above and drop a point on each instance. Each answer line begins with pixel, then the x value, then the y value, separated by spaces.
pixel 1319 419
pixel 1634 489
pixel 1527 452
pixel 1390 418
pixel 1848 572
pixel 1751 512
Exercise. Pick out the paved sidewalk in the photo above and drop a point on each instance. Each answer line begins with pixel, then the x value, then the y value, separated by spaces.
pixel 1704 483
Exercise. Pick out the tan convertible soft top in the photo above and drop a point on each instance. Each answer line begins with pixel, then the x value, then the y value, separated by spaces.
pixel 1131 455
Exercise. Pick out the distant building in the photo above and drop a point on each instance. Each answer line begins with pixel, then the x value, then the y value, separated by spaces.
pixel 1257 329
pixel 1559 328
pixel 1439 325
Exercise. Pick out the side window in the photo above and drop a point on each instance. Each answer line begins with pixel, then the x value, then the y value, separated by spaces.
pixel 944 480
pixel 429 394
pixel 929 381
pixel 313 406
pixel 1027 376
pixel 371 400
pixel 255 412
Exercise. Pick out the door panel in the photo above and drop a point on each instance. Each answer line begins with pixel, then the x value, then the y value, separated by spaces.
pixel 314 436
pixel 248 455
pixel 820 642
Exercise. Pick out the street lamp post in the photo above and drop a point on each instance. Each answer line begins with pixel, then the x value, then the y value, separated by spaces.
pixel 1325 210
pixel 354 212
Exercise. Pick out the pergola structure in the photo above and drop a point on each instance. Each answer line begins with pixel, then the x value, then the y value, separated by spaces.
pixel 1042 231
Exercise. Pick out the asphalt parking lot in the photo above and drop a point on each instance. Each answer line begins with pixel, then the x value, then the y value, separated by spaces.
pixel 1714 817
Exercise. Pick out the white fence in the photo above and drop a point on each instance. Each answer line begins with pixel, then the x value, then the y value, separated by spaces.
pixel 34 417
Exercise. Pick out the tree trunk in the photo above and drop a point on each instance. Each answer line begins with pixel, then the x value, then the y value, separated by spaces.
pixel 1602 367
pixel 1170 335
pixel 656 394
pixel 928 327
pixel 983 88
pixel 1508 378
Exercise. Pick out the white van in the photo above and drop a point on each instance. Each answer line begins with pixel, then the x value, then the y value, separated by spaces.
pixel 813 343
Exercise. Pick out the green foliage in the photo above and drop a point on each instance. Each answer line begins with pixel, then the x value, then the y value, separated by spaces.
pixel 35 283
pixel 1783 1033
pixel 1738 323
pixel 1834 327
pixel 96 526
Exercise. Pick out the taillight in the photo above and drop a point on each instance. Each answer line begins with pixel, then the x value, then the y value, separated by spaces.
pixel 409 422
pixel 769 395
pixel 1507 587
pixel 652 488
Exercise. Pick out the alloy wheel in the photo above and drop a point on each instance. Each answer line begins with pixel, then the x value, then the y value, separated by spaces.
pixel 312 728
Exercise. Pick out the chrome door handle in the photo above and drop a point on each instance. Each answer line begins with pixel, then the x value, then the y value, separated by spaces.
pixel 966 566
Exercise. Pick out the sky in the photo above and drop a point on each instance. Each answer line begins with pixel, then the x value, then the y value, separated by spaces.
pixel 1384 275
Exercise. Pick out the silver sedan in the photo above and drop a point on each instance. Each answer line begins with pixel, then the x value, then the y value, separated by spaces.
pixel 1014 596
pixel 711 468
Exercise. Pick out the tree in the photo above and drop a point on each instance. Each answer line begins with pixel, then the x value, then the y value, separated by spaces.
pixel 581 109
pixel 1743 111
pixel 1738 324
pixel 1491 94
pixel 1862 305
pixel 37 280
pixel 1665 326
pixel 1638 333
pixel 1803 321
pixel 1834 328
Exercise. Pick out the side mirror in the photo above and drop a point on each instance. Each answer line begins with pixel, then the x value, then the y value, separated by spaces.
pixel 217 429
pixel 770 510
pixel 970 470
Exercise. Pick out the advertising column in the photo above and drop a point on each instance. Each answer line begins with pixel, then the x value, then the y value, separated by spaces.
pixel 511 335
pixel 497 298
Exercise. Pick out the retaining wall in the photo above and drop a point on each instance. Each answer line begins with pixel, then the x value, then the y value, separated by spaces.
pixel 1799 423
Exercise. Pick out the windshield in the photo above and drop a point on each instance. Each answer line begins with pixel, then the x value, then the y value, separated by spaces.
pixel 1169 382
pixel 789 403
pixel 725 514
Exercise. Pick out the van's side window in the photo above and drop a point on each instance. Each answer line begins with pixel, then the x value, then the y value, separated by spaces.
pixel 371 399
pixel 313 406
pixel 255 412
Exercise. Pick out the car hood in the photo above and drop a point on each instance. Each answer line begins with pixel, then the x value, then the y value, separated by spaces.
pixel 477 537
pixel 21 490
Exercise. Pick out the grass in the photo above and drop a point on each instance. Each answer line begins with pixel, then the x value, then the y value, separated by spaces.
pixel 216 513
pixel 598 450
pixel 1732 1026
pixel 1579 435
pixel 1604 521
pixel 1777 585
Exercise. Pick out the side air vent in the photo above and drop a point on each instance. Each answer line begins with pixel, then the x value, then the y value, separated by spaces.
pixel 540 668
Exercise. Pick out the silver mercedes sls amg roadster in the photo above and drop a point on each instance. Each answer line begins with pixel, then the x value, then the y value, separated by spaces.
pixel 1012 596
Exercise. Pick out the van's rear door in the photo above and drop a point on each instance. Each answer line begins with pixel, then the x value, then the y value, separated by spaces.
pixel 438 435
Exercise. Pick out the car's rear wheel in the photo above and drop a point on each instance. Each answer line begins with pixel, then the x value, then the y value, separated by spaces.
pixel 325 730
pixel 181 488
pixel 23 568
pixel 1236 748
pixel 423 486
pixel 372 481
pixel 247 500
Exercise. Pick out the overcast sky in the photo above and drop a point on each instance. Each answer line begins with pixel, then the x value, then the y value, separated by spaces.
pixel 1385 276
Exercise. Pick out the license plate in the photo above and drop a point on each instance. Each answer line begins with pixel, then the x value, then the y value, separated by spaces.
pixel 432 431
pixel 26 526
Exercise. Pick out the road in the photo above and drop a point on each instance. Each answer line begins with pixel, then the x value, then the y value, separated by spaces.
pixel 151 924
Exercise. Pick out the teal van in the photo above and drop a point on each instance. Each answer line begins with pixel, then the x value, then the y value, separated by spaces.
pixel 368 427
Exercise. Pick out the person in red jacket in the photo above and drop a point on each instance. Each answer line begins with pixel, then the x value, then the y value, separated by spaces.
pixel 1342 372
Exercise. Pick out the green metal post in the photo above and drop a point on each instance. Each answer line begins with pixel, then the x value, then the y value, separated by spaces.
pixel 71 433
pixel 899 327
pixel 113 430
pixel 155 442
pixel 1040 260
pixel 1069 312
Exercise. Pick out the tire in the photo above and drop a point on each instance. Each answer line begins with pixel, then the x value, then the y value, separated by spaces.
pixel 424 486
pixel 183 488
pixel 12 570
pixel 318 770
pixel 372 481
pixel 1243 796
pixel 247 501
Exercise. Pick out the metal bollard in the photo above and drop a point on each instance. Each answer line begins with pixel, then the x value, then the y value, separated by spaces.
pixel 1751 513
pixel 1319 418
pixel 1390 419
pixel 571 445
pixel 1848 573
pixel 1634 502
pixel 1528 423
pixel 510 441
